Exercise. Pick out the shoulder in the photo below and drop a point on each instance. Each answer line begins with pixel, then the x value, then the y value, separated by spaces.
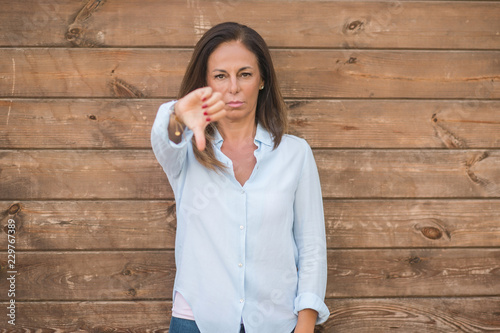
pixel 292 143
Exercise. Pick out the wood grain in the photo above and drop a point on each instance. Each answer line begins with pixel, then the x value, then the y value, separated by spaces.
pixel 77 123
pixel 91 316
pixel 413 272
pixel 90 225
pixel 83 174
pixel 396 123
pixel 334 24
pixel 91 275
pixel 127 225
pixel 433 315
pixel 130 275
pixel 117 123
pixel 311 73
pixel 408 174
pixel 412 223
pixel 135 174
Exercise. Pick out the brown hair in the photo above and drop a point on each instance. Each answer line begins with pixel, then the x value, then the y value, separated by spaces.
pixel 271 110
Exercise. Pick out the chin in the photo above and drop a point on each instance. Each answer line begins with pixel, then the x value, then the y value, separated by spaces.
pixel 236 114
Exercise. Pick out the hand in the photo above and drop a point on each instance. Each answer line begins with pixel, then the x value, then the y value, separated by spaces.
pixel 199 108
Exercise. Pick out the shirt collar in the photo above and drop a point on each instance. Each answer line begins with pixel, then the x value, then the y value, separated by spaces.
pixel 261 136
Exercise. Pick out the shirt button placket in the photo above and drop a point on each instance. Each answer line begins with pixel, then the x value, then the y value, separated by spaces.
pixel 242 245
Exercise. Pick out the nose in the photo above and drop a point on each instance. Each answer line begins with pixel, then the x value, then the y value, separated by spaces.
pixel 234 86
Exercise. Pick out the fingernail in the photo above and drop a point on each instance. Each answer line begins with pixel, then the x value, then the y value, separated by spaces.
pixel 204 99
pixel 208 119
pixel 205 113
pixel 204 106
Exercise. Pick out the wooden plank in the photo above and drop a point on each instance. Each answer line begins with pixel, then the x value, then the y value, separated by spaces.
pixel 90 225
pixel 131 275
pixel 413 272
pixel 348 24
pixel 61 72
pixel 135 174
pixel 91 316
pixel 116 123
pixel 409 174
pixel 433 315
pixel 67 174
pixel 430 315
pixel 412 223
pixel 396 123
pixel 101 225
pixel 79 123
pixel 91 275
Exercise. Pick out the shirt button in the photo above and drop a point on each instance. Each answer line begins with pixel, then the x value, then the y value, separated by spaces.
pixel 242 191
pixel 240 265
pixel 241 227
pixel 241 300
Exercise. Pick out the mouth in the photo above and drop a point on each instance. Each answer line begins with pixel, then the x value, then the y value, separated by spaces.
pixel 235 104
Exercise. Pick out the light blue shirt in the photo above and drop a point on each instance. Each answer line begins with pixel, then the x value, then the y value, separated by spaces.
pixel 256 252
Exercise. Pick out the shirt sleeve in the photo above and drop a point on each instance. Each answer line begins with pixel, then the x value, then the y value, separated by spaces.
pixel 170 155
pixel 310 239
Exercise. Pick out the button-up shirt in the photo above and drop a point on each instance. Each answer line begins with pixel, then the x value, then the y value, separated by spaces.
pixel 254 253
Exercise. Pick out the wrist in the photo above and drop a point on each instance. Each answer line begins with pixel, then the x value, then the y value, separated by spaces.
pixel 176 116
pixel 306 321
pixel 176 127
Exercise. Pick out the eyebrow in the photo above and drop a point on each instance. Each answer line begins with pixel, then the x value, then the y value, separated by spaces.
pixel 239 70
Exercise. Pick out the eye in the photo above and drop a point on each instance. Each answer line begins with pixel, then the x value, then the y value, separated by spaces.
pixel 219 76
pixel 246 74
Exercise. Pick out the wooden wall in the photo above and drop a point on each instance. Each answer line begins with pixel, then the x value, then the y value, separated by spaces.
pixel 399 99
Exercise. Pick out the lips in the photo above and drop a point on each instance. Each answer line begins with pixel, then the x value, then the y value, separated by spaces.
pixel 235 104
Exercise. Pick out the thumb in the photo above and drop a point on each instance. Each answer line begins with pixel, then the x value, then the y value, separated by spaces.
pixel 199 136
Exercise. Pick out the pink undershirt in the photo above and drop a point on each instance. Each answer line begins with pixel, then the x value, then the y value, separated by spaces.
pixel 181 308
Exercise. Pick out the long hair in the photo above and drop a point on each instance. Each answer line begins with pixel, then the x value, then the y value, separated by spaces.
pixel 271 110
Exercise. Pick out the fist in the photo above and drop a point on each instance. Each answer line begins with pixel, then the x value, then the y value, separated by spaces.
pixel 198 109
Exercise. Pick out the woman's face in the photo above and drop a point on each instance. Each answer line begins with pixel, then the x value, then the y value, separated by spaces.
pixel 233 71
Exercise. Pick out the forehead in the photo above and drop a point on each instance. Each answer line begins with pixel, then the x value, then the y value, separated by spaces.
pixel 231 54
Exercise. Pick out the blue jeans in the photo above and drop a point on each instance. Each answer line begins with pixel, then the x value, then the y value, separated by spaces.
pixel 179 325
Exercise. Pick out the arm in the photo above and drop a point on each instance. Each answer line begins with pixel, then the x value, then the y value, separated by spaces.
pixel 310 238
pixel 306 321
pixel 177 121
pixel 170 154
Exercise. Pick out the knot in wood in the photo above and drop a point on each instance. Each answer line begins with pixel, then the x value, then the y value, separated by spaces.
pixel 127 272
pixel 431 232
pixel 355 24
pixel 414 260
pixel 92 117
pixel 14 209
pixel 73 34
pixel 132 292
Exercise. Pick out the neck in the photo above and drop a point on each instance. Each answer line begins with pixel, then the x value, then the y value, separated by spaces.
pixel 236 133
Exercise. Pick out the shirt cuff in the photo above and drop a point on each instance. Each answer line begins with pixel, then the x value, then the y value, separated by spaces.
pixel 312 301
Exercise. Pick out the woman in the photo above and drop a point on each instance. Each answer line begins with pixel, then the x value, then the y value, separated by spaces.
pixel 250 245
